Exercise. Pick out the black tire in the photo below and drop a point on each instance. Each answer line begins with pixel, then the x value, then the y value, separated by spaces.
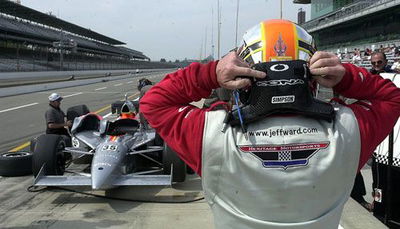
pixel 14 164
pixel 170 157
pixel 76 111
pixel 49 152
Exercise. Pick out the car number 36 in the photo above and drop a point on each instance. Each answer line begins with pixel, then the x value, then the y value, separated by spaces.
pixel 109 148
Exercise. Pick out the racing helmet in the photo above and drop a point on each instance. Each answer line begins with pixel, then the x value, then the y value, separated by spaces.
pixel 281 49
pixel 128 110
pixel 276 40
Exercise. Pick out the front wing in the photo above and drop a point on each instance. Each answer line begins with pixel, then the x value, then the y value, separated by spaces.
pixel 123 180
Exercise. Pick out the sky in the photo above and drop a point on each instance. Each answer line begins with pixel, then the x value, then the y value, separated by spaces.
pixel 170 29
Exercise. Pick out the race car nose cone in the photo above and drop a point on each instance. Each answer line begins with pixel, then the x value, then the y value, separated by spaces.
pixel 101 177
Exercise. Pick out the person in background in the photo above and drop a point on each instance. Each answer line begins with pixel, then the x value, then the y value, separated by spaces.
pixel 144 85
pixel 55 117
pixel 379 63
pixel 356 59
pixel 367 52
pixel 379 169
pixel 219 95
pixel 284 159
pixel 396 67
pixel 358 192
pixel 396 51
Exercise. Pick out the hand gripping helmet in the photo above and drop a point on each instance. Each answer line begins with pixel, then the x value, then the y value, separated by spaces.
pixel 281 49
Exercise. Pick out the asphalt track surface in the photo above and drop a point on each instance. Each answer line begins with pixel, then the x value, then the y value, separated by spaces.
pixel 22 117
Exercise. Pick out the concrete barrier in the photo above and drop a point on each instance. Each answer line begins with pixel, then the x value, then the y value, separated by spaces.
pixel 8 91
pixel 58 74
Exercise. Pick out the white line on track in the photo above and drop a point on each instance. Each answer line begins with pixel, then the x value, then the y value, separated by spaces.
pixel 118 84
pixel 15 108
pixel 130 82
pixel 101 88
pixel 105 116
pixel 66 96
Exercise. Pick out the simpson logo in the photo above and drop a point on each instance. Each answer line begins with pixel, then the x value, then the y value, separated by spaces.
pixel 284 156
pixel 283 99
pixel 272 83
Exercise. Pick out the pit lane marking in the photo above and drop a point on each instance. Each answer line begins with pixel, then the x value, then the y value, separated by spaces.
pixel 79 93
pixel 102 109
pixel 15 108
pixel 118 84
pixel 136 94
pixel 100 88
pixel 105 116
pixel 18 148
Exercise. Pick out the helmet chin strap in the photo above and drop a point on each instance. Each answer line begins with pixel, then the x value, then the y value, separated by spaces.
pixel 285 90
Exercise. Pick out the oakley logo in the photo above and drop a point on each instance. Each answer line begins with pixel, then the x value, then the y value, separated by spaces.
pixel 279 67
pixel 272 83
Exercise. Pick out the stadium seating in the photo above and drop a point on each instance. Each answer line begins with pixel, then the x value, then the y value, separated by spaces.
pixel 37 53
pixel 50 35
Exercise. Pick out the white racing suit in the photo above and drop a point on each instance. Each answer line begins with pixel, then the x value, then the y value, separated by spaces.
pixel 292 172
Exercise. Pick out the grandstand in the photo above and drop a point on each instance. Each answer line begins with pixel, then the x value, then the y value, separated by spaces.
pixel 353 23
pixel 34 41
pixel 341 26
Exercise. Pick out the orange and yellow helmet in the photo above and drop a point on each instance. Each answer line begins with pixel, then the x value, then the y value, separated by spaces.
pixel 276 40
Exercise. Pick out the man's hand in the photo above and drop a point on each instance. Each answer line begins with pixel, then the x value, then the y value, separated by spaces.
pixel 230 67
pixel 68 123
pixel 326 69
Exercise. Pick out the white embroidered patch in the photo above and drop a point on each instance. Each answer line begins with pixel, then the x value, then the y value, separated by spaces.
pixel 361 76
pixel 182 109
pixel 364 103
pixel 188 113
pixel 365 108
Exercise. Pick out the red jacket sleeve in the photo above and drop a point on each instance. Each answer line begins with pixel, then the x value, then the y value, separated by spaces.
pixel 376 111
pixel 166 106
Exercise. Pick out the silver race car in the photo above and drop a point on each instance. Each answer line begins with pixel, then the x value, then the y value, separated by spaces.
pixel 110 153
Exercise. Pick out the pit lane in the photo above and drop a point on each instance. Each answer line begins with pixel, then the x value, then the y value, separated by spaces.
pixel 57 208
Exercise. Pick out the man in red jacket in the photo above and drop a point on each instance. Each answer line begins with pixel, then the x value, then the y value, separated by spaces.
pixel 284 159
